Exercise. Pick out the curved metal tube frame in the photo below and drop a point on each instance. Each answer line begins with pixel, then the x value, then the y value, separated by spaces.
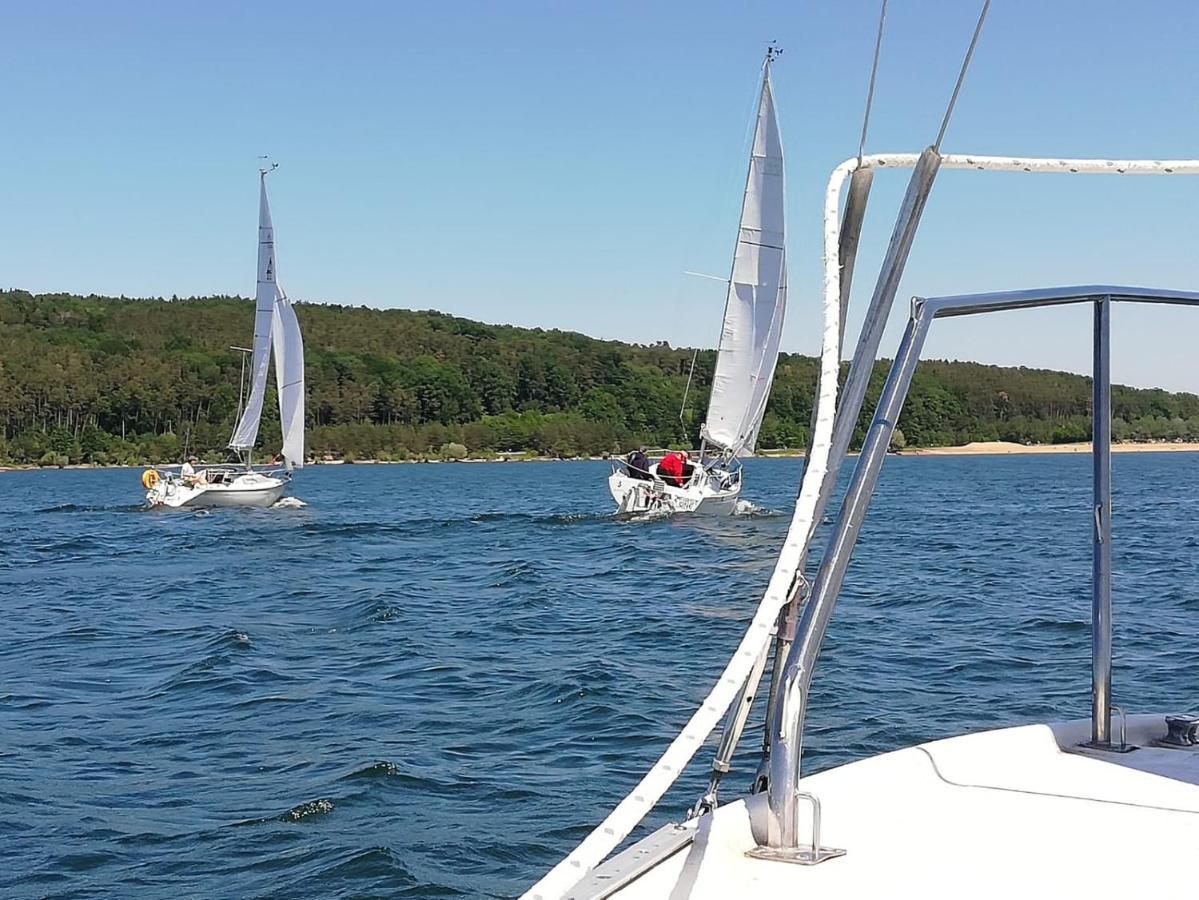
pixel 787 739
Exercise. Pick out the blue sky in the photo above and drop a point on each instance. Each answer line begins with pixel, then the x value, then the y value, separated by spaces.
pixel 561 164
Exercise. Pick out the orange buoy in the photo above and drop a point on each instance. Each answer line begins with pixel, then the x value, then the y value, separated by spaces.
pixel 150 479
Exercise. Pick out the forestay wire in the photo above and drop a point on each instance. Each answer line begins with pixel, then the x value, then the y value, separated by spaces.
pixel 878 46
pixel 686 391
pixel 957 88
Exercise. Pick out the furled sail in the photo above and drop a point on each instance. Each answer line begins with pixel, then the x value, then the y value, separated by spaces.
pixel 757 296
pixel 289 376
pixel 264 308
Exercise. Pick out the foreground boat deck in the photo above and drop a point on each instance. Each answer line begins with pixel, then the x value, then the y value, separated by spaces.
pixel 1020 810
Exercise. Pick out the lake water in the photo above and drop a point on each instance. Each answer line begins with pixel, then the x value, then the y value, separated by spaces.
pixel 431 680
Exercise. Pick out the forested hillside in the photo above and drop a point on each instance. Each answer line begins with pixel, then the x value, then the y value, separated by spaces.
pixel 96 379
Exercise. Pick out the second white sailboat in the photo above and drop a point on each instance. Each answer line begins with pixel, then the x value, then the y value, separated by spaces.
pixel 748 352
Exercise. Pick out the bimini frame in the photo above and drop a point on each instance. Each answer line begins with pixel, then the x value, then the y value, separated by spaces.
pixel 783 840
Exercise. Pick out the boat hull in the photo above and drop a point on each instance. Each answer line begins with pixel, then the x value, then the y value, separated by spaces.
pixel 635 496
pixel 252 489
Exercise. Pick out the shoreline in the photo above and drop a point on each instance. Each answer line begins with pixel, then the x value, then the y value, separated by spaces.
pixel 1009 448
pixel 976 448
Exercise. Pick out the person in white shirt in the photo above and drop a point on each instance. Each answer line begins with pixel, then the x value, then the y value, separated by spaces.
pixel 187 472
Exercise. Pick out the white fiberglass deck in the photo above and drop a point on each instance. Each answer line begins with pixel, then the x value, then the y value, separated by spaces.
pixel 999 813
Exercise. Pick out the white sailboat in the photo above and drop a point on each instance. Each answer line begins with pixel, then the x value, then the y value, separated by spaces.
pixel 749 345
pixel 275 329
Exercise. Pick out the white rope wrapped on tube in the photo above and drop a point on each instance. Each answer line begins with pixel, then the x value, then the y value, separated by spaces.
pixel 1039 165
pixel 633 808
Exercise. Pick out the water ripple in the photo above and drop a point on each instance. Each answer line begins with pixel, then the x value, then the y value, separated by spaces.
pixel 429 680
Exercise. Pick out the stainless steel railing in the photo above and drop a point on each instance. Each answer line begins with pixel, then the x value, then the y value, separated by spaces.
pixel 786 740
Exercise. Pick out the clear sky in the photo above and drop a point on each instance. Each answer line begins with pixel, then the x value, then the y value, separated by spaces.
pixel 560 164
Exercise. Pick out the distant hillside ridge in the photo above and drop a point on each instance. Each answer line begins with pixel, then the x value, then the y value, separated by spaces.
pixel 120 380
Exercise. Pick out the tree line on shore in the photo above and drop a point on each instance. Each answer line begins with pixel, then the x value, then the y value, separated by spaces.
pixel 120 380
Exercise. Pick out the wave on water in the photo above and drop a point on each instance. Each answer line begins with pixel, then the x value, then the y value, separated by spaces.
pixel 517 572
pixel 650 515
pixel 420 527
pixel 319 807
pixel 289 503
pixel 750 509
pixel 383 864
pixel 736 613
pixel 382 769
pixel 416 656
pixel 78 507
pixel 554 519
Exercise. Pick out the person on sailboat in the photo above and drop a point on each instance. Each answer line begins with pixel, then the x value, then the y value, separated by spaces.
pixel 638 464
pixel 671 467
pixel 188 474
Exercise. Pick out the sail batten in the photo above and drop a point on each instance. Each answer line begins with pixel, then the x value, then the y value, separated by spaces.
pixel 756 299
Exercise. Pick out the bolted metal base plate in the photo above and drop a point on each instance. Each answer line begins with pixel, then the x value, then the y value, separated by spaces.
pixel 1107 747
pixel 800 856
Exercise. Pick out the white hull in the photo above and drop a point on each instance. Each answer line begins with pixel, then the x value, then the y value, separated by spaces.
pixel 701 495
pixel 1019 812
pixel 239 490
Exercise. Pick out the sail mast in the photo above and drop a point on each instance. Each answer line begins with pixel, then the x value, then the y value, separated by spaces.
pixel 756 299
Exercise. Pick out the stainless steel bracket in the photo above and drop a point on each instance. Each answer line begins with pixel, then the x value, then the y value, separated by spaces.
pixel 800 855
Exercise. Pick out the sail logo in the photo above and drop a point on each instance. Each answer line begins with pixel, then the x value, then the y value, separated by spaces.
pixel 269 275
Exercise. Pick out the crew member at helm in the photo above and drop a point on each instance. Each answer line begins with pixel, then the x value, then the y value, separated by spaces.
pixel 187 473
pixel 638 464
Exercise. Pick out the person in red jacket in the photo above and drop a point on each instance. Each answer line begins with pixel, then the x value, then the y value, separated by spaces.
pixel 671 467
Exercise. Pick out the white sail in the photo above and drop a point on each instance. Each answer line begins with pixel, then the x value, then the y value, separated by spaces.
pixel 770 353
pixel 289 377
pixel 757 296
pixel 246 432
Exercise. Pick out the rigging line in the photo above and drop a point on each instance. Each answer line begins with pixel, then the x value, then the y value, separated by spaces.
pixel 982 17
pixel 687 390
pixel 878 46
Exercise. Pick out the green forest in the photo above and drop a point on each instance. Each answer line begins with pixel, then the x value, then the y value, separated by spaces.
pixel 120 380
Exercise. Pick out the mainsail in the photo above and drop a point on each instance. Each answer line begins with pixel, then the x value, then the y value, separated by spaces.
pixel 289 376
pixel 757 295
pixel 246 432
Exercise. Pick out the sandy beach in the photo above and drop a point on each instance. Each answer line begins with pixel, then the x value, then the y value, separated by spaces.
pixel 1004 448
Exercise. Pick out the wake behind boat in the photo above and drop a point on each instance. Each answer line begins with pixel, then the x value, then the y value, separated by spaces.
pixel 755 302
pixel 275 328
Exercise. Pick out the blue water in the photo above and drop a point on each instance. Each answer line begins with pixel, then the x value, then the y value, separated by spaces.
pixel 430 680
